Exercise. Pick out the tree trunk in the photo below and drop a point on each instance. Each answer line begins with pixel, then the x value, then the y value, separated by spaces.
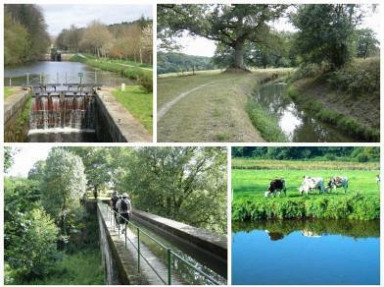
pixel 239 55
pixel 238 64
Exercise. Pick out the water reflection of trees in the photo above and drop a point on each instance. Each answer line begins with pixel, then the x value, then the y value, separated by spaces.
pixel 351 228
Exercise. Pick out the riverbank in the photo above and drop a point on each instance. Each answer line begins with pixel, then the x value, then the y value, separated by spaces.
pixel 219 98
pixel 348 99
pixel 141 73
pixel 361 201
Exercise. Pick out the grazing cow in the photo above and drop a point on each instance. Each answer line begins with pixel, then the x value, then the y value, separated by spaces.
pixel 378 179
pixel 337 182
pixel 310 183
pixel 275 187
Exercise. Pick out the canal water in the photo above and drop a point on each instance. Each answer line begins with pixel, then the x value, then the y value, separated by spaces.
pixel 296 124
pixel 60 72
pixel 61 120
pixel 306 252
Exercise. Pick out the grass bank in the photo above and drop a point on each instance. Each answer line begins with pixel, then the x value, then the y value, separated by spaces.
pixel 7 92
pixel 349 98
pixel 221 101
pixel 139 103
pixel 362 200
pixel 132 70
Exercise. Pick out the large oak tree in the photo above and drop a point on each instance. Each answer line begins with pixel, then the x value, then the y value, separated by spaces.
pixel 231 25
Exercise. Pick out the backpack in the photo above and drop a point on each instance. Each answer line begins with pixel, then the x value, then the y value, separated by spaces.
pixel 124 206
pixel 114 201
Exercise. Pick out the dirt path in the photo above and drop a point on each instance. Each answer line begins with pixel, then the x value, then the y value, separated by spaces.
pixel 165 108
pixel 205 108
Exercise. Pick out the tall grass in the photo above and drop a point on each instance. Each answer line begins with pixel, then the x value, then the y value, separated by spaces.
pixel 81 268
pixel 266 123
pixel 353 206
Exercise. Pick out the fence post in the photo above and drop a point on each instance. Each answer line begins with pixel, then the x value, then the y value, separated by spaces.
pixel 27 79
pixel 169 267
pixel 10 82
pixel 138 249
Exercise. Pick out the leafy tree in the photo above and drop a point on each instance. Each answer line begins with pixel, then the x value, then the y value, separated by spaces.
pixel 183 183
pixel 97 39
pixel 64 183
pixel 26 33
pixel 37 171
pixel 96 161
pixel 8 158
pixel 367 44
pixel 231 25
pixel 326 32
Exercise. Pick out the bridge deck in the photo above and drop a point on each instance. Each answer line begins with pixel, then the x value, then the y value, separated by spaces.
pixel 147 272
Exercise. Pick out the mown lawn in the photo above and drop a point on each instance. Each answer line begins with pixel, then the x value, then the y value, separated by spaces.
pixel 138 103
pixel 362 200
pixel 213 108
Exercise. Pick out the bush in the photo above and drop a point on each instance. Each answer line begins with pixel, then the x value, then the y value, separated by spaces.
pixel 32 248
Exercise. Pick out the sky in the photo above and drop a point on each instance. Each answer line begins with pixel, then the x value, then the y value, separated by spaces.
pixel 200 46
pixel 25 158
pixel 58 16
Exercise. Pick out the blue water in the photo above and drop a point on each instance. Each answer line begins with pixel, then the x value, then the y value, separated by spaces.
pixel 299 259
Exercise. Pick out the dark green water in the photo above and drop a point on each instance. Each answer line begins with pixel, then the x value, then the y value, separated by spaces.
pixel 306 252
pixel 296 124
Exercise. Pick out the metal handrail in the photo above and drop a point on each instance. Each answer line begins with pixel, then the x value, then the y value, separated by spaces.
pixel 170 252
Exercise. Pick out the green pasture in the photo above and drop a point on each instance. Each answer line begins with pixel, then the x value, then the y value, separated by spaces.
pixel 362 200
pixel 252 184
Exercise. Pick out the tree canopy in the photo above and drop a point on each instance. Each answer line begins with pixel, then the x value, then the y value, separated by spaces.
pixel 25 33
pixel 230 25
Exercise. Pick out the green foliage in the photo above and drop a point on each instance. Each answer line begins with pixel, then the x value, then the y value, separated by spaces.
pixel 143 77
pixel 8 158
pixel 81 268
pixel 231 25
pixel 25 35
pixel 325 32
pixel 367 44
pixel 186 184
pixel 264 122
pixel 32 247
pixel 139 103
pixel 361 201
pixel 358 77
pixel 64 183
pixel 372 154
pixel 179 63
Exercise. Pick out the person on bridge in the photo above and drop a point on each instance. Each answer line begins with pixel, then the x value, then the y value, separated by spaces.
pixel 124 209
pixel 115 198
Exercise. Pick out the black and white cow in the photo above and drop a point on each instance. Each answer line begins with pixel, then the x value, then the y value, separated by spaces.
pixel 378 179
pixel 337 182
pixel 310 183
pixel 275 187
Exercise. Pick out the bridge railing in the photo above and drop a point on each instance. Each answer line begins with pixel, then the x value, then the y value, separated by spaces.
pixel 171 256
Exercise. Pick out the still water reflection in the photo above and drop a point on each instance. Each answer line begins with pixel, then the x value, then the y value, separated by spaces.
pixel 296 124
pixel 306 252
